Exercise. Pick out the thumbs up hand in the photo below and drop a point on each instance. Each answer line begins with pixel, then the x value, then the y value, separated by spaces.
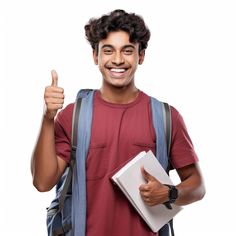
pixel 153 192
pixel 53 97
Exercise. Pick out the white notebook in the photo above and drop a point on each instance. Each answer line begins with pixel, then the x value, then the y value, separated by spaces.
pixel 129 179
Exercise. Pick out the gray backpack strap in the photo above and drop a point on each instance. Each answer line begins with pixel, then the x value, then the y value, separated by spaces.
pixel 168 129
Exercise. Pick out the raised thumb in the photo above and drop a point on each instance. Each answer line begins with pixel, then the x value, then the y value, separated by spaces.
pixel 54 78
pixel 146 175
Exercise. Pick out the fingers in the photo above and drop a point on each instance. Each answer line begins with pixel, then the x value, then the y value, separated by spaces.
pixel 54 103
pixel 54 78
pixel 147 198
pixel 54 93
pixel 148 201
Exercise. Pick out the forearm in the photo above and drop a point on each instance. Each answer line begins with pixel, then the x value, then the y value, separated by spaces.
pixel 44 164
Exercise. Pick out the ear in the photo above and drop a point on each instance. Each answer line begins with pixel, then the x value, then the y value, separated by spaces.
pixel 141 57
pixel 95 57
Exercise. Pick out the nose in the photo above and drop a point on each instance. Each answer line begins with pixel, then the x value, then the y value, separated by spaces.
pixel 117 58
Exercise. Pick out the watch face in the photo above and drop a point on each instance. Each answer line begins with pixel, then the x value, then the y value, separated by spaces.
pixel 173 194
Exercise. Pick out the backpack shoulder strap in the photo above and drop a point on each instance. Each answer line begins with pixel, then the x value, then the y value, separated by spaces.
pixel 75 121
pixel 161 117
pixel 79 174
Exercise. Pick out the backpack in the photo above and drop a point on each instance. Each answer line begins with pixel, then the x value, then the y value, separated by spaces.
pixel 61 214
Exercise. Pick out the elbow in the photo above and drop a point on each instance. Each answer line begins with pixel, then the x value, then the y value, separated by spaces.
pixel 200 188
pixel 199 193
pixel 202 192
pixel 43 183
pixel 42 187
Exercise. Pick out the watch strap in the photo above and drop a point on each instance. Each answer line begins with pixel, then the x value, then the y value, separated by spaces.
pixel 172 195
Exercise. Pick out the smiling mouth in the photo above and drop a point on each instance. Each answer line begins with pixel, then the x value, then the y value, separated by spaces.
pixel 117 72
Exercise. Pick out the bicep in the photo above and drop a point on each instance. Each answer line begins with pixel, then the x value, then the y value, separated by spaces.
pixel 182 149
pixel 188 171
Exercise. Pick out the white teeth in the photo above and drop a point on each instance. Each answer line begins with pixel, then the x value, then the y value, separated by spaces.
pixel 117 70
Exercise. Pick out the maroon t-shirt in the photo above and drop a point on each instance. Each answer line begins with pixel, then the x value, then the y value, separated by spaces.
pixel 119 132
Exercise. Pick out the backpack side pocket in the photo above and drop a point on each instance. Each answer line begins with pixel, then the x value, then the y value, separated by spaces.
pixel 59 221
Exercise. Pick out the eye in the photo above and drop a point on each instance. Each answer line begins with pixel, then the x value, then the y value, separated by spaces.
pixel 107 51
pixel 128 51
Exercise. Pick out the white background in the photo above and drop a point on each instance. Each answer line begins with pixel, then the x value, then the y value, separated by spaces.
pixel 190 63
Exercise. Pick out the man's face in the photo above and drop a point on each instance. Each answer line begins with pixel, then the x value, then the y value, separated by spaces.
pixel 118 59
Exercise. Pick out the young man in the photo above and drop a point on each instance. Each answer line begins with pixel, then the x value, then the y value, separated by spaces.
pixel 121 128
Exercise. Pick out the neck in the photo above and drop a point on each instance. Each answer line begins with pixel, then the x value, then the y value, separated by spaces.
pixel 119 95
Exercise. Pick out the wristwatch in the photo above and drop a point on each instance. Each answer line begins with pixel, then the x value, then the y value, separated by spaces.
pixel 173 195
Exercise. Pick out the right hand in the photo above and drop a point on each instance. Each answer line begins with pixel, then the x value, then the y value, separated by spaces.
pixel 53 97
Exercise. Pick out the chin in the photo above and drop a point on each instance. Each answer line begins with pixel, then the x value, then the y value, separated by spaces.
pixel 121 86
pixel 120 82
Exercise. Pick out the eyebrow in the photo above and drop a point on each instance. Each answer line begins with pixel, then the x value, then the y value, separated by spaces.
pixel 125 46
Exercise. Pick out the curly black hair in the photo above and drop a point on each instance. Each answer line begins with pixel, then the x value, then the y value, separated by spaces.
pixel 99 28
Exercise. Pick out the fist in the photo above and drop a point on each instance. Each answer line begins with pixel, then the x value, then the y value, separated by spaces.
pixel 53 97
pixel 153 192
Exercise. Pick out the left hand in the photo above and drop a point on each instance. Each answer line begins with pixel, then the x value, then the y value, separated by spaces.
pixel 153 192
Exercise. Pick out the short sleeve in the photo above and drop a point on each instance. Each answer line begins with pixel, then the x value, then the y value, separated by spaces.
pixel 63 124
pixel 182 149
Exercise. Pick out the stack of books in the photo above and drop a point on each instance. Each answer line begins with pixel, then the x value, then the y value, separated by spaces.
pixel 129 178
